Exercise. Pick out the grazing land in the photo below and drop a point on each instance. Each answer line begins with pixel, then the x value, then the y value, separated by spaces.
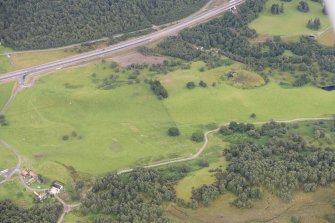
pixel 5 92
pixel 7 158
pixel 291 22
pixel 327 38
pixel 127 125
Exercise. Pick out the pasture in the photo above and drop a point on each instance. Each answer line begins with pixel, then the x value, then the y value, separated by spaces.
pixel 5 93
pixel 127 126
pixel 292 22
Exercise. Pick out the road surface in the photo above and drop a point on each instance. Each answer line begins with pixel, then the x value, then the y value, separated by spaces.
pixel 190 21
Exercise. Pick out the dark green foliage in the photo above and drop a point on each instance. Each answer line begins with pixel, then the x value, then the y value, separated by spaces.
pixel 3 121
pixel 203 84
pixel 253 115
pixel 314 24
pixel 10 213
pixel 133 198
pixel 198 136
pixel 173 131
pixel 303 6
pixel 234 127
pixel 190 85
pixel 32 24
pixel 205 194
pixel 176 47
pixel 283 164
pixel 158 89
pixel 277 9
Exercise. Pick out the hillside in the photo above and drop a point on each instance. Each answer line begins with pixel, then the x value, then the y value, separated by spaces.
pixel 36 24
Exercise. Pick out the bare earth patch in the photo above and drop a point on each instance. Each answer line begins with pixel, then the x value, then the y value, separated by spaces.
pixel 137 58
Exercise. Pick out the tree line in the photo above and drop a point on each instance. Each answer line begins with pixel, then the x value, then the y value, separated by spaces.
pixel 35 24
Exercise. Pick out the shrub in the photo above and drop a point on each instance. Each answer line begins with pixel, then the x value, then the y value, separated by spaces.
pixel 173 131
pixel 202 84
pixel 190 85
pixel 198 136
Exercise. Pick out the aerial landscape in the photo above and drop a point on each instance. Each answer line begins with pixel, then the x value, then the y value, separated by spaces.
pixel 167 111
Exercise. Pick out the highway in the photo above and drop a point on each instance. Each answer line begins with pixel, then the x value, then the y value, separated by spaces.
pixel 187 22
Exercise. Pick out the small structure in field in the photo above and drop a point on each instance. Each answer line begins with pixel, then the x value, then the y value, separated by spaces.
pixel 41 196
pixel 56 187
pixel 29 176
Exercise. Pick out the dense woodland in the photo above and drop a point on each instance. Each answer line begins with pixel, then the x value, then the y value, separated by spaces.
pixel 33 24
pixel 11 213
pixel 272 158
pixel 230 35
pixel 132 198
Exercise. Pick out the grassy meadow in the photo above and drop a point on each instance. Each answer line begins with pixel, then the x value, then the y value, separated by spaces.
pixel 7 158
pixel 292 22
pixel 127 126
pixel 5 93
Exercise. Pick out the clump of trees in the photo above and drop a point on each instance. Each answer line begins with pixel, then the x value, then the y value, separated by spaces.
pixel 46 212
pixel 314 24
pixel 135 197
pixel 173 131
pixel 158 89
pixel 198 136
pixel 277 9
pixel 303 6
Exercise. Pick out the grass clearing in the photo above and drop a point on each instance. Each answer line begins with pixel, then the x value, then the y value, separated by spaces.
pixel 29 59
pixel 310 207
pixel 292 22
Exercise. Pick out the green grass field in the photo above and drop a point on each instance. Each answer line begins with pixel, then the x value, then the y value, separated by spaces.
pixel 292 22
pixel 127 126
pixel 14 191
pixel 5 92
pixel 7 158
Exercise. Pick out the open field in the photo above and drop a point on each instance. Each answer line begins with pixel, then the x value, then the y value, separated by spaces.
pixel 126 126
pixel 291 22
pixel 310 207
pixel 5 92
pixel 7 158
pixel 14 191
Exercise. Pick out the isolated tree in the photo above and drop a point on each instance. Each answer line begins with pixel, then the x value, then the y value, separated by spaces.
pixel 253 115
pixel 202 84
pixel 197 136
pixel 303 6
pixel 173 131
pixel 190 85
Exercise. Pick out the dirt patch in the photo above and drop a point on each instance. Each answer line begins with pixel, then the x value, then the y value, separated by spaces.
pixel 245 79
pixel 39 156
pixel 137 58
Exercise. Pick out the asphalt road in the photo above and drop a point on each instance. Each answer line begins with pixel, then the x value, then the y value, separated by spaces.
pixel 187 22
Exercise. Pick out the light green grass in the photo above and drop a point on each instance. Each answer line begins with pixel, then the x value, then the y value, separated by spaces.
pixel 5 93
pixel 7 158
pixel 127 126
pixel 14 191
pixel 292 22
pixel 120 128
pixel 4 64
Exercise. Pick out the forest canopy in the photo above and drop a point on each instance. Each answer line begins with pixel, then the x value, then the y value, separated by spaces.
pixel 33 24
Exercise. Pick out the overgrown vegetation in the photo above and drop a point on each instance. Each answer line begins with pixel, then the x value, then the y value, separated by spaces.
pixel 133 198
pixel 274 157
pixel 44 24
pixel 11 213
